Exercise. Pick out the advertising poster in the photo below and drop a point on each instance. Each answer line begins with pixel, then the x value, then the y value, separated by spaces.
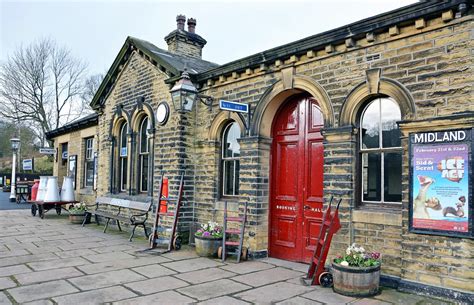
pixel 440 186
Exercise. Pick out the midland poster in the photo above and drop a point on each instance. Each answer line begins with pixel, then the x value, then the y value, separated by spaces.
pixel 440 187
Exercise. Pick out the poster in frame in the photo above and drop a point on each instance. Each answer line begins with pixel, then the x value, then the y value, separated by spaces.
pixel 441 183
pixel 72 169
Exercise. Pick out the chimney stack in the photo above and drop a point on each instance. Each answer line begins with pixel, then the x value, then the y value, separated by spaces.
pixel 180 20
pixel 185 43
pixel 192 25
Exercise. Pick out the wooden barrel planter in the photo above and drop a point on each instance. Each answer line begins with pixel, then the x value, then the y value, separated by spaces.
pixel 76 218
pixel 356 281
pixel 207 246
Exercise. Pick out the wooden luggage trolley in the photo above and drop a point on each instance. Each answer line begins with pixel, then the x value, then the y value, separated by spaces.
pixel 240 251
pixel 317 274
pixel 159 229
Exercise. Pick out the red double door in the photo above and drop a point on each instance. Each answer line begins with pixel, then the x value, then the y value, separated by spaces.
pixel 296 199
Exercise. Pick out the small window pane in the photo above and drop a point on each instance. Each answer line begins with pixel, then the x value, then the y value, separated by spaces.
pixel 370 125
pixel 123 174
pixel 390 116
pixel 231 177
pixel 123 136
pixel 392 177
pixel 371 175
pixel 144 173
pixel 89 173
pixel 143 136
pixel 231 146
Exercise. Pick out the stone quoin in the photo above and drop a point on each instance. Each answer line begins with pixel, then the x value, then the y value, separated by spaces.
pixel 345 113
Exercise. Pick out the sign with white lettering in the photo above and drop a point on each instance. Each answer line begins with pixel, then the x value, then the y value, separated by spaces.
pixel 440 183
pixel 233 106
pixel 47 151
pixel 28 164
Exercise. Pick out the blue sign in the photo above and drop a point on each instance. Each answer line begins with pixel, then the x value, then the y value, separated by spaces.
pixel 233 106
pixel 28 164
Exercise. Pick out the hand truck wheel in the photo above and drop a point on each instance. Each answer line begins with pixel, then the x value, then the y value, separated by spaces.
pixel 325 279
pixel 219 252
pixel 177 241
pixel 245 254
pixel 33 210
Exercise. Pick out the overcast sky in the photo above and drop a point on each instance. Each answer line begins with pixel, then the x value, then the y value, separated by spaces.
pixel 96 30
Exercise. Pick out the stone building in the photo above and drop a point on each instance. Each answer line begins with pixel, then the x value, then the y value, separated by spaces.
pixel 346 113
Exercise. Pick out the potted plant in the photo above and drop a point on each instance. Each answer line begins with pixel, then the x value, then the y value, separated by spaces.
pixel 208 239
pixel 357 272
pixel 77 213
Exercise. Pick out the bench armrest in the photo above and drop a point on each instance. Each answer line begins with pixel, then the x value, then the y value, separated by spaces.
pixel 134 216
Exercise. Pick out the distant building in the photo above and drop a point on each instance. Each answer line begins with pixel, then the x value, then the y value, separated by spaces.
pixel 334 114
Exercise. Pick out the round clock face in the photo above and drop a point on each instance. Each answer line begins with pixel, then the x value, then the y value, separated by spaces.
pixel 162 113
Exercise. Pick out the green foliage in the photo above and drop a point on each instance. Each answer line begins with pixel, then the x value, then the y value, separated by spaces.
pixel 26 135
pixel 44 165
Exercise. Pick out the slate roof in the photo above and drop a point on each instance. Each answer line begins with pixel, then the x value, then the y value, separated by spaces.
pixel 87 121
pixel 193 65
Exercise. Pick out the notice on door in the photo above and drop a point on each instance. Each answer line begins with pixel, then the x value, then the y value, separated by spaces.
pixel 440 186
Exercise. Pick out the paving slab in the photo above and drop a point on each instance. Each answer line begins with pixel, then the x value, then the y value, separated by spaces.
pixel 247 267
pixel 223 300
pixel 153 271
pixel 213 289
pixel 116 248
pixel 268 276
pixel 75 253
pixel 6 282
pixel 41 291
pixel 47 275
pixel 204 275
pixel 9 261
pixel 167 297
pixel 106 279
pixel 39 302
pixel 58 263
pixel 13 253
pixel 272 293
pixel 328 296
pixel 192 264
pixel 286 264
pixel 299 301
pixel 401 298
pixel 11 270
pixel 156 285
pixel 98 296
pixel 4 299
pixel 121 264
pixel 105 257
pixel 184 253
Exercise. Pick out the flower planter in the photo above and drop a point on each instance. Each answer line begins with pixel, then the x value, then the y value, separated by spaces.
pixel 77 218
pixel 356 281
pixel 207 246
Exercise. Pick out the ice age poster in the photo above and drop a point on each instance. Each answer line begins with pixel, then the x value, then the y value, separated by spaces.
pixel 440 185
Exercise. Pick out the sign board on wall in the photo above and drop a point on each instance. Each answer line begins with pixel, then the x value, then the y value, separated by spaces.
pixel 47 151
pixel 441 183
pixel 233 106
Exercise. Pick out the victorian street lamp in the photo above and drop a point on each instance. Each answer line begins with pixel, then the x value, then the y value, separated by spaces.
pixel 15 146
pixel 184 94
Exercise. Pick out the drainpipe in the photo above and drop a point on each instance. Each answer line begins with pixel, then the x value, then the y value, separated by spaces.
pixel 112 169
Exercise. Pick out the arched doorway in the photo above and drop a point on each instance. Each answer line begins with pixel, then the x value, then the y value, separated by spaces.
pixel 296 190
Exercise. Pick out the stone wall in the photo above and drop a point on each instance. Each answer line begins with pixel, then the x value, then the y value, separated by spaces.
pixel 76 142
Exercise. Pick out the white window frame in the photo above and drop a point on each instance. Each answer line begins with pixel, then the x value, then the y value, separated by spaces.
pixel 380 150
pixel 224 160
pixel 88 159
pixel 123 159
pixel 144 154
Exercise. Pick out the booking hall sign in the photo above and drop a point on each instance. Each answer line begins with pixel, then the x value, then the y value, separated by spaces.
pixel 441 183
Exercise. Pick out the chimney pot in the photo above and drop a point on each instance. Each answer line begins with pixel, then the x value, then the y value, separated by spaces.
pixel 180 20
pixel 192 25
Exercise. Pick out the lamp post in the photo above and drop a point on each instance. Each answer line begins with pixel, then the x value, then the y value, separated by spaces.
pixel 15 146
pixel 184 94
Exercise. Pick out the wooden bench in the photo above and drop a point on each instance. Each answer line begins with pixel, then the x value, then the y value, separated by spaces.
pixel 137 216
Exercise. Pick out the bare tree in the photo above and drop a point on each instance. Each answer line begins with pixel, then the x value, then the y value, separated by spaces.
pixel 42 84
pixel 91 85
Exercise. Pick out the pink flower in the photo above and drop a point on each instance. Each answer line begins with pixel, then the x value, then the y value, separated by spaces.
pixel 206 234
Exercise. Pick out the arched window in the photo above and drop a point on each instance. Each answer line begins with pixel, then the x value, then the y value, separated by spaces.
pixel 381 153
pixel 230 160
pixel 143 155
pixel 123 158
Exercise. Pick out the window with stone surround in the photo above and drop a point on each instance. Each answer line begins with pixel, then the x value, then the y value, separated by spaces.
pixel 230 160
pixel 123 158
pixel 89 162
pixel 380 153
pixel 143 155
